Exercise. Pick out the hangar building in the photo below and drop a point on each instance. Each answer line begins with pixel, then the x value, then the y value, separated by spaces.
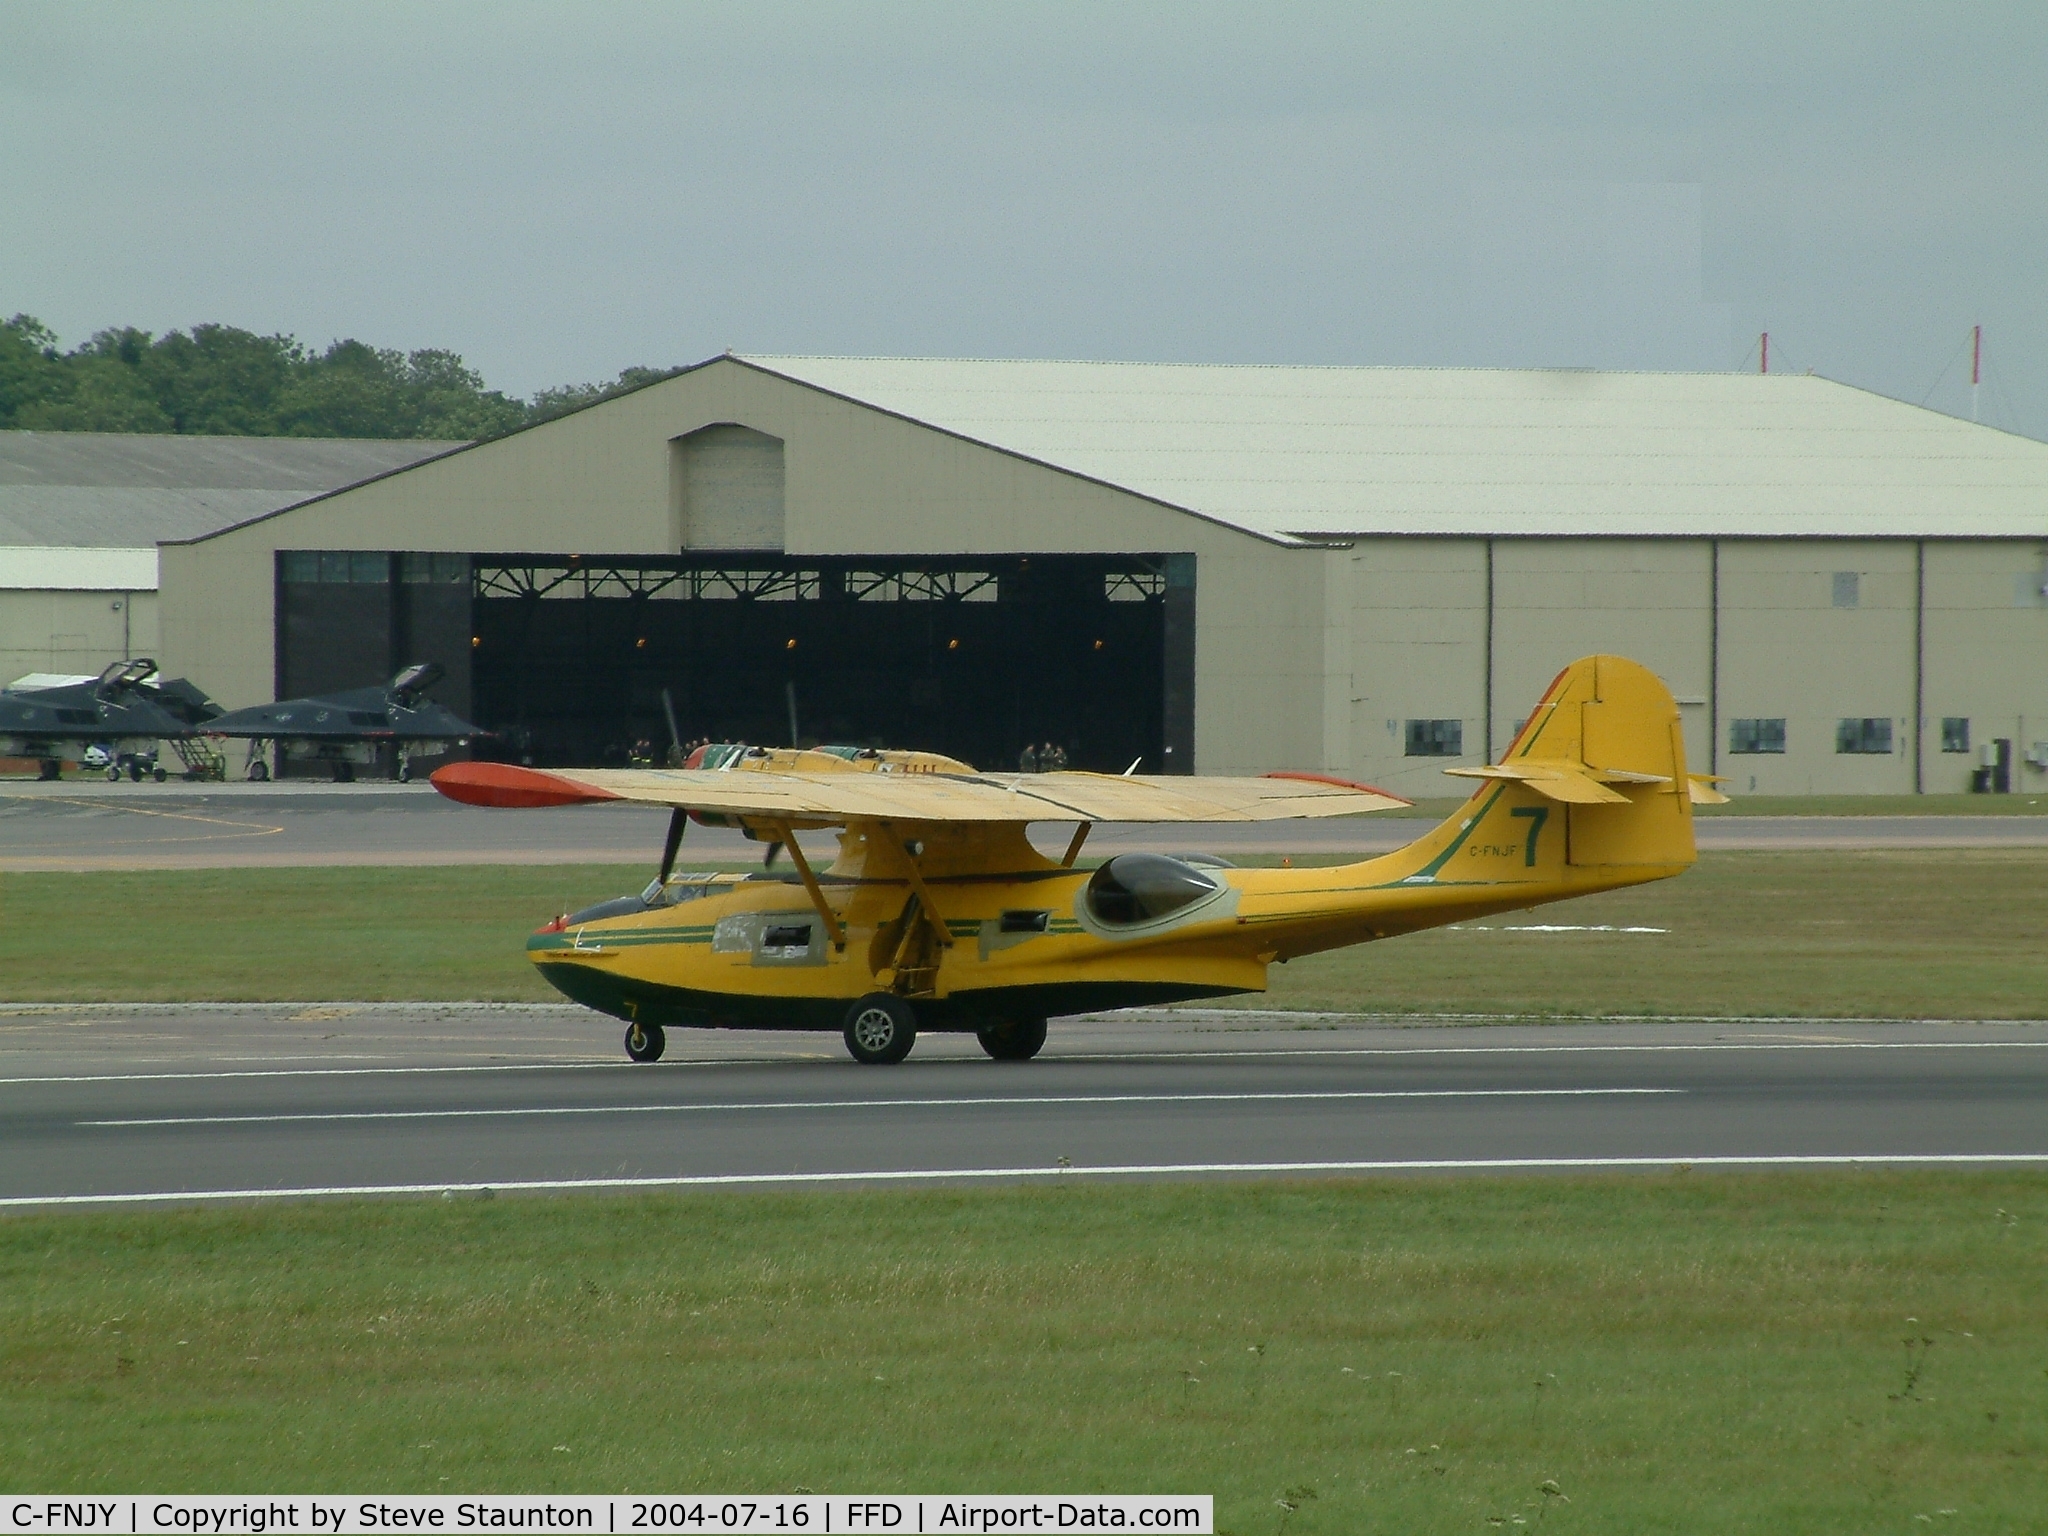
pixel 81 514
pixel 1372 572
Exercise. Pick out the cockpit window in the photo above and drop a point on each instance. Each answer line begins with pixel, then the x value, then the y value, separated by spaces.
pixel 1143 887
pixel 618 906
pixel 680 888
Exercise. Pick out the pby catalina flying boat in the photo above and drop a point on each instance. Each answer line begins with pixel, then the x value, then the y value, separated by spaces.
pixel 119 711
pixel 939 914
pixel 347 729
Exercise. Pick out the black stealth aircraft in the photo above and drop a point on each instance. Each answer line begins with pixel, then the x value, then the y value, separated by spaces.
pixel 351 728
pixel 119 712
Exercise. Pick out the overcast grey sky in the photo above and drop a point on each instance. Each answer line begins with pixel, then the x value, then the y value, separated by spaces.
pixel 559 191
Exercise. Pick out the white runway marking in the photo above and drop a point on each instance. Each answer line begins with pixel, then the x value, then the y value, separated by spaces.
pixel 1020 1101
pixel 1075 1057
pixel 1109 1170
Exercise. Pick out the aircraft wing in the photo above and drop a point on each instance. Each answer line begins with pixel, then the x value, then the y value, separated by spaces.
pixel 838 797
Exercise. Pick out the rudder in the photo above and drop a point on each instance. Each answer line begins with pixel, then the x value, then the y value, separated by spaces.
pixel 1606 744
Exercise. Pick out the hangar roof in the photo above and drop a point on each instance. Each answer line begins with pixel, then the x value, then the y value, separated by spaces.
pixel 78 491
pixel 1319 453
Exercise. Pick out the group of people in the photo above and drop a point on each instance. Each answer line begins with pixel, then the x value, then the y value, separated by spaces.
pixel 1046 757
pixel 644 754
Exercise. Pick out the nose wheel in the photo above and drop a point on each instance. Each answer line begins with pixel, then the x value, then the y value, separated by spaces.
pixel 645 1042
pixel 880 1030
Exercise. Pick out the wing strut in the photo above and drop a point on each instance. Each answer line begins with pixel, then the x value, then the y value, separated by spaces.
pixel 833 926
pixel 1074 848
pixel 924 897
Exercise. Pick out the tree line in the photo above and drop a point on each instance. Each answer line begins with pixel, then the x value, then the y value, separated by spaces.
pixel 221 380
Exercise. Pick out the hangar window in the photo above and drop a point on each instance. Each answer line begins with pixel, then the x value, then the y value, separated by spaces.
pixel 1435 738
pixel 337 567
pixel 1143 887
pixel 419 568
pixel 1848 589
pixel 1869 737
pixel 1955 733
pixel 1133 586
pixel 1750 737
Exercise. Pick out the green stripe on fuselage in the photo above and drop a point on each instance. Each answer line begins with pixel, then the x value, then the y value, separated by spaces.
pixel 1428 871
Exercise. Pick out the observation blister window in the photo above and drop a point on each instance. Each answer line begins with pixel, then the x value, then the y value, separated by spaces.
pixel 1144 887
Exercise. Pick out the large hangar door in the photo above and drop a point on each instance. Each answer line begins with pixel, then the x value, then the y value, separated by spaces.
pixel 352 618
pixel 974 658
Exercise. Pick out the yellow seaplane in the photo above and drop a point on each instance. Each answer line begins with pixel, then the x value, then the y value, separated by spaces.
pixel 937 913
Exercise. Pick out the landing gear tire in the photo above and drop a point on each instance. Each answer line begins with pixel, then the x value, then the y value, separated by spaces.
pixel 1013 1039
pixel 259 771
pixel 880 1030
pixel 645 1042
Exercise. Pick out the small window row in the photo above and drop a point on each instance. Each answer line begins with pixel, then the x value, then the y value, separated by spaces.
pixel 1854 736
pixel 1434 738
pixel 371 567
pixel 1754 737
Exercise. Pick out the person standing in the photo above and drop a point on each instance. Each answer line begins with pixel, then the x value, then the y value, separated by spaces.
pixel 1027 760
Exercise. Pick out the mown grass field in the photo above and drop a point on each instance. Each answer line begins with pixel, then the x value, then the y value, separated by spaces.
pixel 1677 1352
pixel 1921 933
pixel 1436 808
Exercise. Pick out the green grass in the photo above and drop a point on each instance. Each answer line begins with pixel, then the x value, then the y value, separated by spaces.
pixel 1916 933
pixel 1437 808
pixel 263 935
pixel 1677 1352
pixel 1943 933
pixel 1881 805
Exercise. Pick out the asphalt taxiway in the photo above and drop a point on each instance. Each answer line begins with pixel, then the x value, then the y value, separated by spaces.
pixel 77 826
pixel 124 1103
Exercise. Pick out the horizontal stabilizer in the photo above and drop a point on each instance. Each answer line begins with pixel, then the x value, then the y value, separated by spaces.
pixel 1571 783
pixel 1700 786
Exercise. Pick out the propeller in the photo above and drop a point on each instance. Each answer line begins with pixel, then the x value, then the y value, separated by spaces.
pixel 678 819
pixel 774 852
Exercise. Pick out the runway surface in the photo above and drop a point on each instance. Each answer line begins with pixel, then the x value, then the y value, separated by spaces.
pixel 95 825
pixel 125 1103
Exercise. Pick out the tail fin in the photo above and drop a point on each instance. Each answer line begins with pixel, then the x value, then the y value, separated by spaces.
pixel 1593 792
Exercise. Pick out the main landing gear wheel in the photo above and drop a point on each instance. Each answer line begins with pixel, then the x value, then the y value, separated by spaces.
pixel 259 771
pixel 1013 1039
pixel 880 1030
pixel 645 1042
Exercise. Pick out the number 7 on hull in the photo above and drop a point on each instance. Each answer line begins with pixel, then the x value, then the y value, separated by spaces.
pixel 936 912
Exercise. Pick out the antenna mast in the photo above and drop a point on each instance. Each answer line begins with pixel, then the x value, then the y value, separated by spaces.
pixel 1976 365
pixel 1764 353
